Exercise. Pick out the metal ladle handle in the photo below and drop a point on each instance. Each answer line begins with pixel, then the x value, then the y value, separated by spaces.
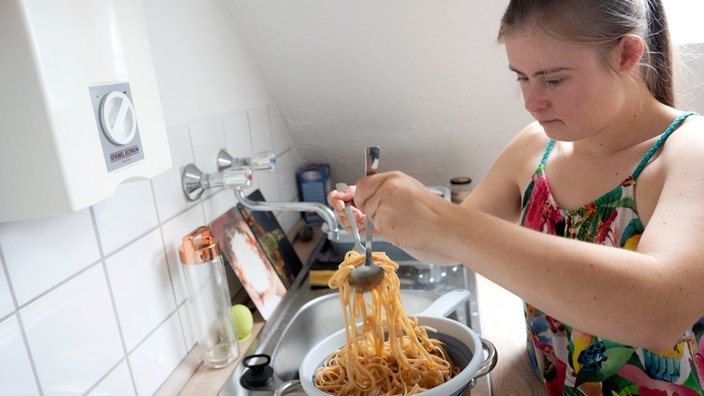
pixel 371 168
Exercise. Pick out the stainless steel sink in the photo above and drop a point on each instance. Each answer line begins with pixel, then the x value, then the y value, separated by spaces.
pixel 308 315
pixel 318 319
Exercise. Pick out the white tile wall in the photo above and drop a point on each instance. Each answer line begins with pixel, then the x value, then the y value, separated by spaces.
pixel 158 356
pixel 167 186
pixel 41 253
pixel 16 374
pixel 72 333
pixel 92 302
pixel 141 287
pixel 6 305
pixel 125 216
pixel 117 382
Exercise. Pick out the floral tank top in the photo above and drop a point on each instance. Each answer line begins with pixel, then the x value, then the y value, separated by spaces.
pixel 572 362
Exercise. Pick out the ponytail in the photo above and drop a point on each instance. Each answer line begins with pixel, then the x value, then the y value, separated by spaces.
pixel 658 75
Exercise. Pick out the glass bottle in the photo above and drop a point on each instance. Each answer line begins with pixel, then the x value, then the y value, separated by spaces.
pixel 209 305
pixel 460 187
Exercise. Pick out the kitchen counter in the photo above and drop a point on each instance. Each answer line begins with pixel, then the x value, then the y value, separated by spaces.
pixel 503 323
pixel 501 320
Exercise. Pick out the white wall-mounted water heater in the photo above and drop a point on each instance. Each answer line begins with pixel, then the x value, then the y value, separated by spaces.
pixel 79 108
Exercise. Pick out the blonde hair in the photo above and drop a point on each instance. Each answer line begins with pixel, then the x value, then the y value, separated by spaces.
pixel 601 24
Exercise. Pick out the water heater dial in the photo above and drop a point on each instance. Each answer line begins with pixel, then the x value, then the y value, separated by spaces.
pixel 117 118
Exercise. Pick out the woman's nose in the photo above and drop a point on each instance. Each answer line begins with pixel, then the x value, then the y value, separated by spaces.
pixel 534 98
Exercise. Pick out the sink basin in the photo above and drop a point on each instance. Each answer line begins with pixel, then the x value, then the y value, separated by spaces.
pixel 308 315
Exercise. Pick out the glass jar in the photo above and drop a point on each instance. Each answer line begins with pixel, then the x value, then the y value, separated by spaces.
pixel 209 306
pixel 460 187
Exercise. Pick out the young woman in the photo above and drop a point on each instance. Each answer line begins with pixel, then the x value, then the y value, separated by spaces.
pixel 611 177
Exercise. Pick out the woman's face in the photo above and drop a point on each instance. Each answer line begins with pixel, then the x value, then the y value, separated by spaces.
pixel 567 88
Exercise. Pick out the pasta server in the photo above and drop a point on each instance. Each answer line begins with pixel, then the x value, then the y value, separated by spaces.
pixel 368 276
pixel 353 223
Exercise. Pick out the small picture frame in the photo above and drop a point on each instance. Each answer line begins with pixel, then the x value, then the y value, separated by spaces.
pixel 238 243
pixel 273 240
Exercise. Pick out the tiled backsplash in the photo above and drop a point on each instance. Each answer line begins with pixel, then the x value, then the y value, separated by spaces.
pixel 91 302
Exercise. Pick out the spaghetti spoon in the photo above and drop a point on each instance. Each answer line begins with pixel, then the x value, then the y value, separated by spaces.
pixel 353 224
pixel 368 276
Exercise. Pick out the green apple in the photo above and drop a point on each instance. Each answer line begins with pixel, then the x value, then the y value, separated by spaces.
pixel 243 321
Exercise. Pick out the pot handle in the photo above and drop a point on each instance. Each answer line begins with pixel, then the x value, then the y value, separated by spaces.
pixel 289 387
pixel 489 362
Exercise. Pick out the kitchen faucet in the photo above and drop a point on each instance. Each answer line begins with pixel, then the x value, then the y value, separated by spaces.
pixel 236 173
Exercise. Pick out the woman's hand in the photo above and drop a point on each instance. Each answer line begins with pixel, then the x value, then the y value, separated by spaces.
pixel 384 194
pixel 404 212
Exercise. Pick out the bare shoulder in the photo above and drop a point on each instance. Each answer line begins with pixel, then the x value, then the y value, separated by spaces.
pixel 686 143
pixel 532 138
pixel 500 192
pixel 525 150
pixel 682 156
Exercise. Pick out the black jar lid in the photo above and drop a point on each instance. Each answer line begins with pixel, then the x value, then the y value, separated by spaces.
pixel 460 180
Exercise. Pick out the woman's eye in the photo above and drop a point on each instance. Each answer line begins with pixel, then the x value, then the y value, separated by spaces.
pixel 554 82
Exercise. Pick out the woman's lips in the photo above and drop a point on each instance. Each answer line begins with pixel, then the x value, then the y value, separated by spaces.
pixel 545 123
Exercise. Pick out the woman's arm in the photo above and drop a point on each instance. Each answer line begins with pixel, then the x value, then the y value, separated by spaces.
pixel 647 298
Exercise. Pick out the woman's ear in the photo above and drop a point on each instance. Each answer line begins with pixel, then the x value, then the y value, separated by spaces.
pixel 630 51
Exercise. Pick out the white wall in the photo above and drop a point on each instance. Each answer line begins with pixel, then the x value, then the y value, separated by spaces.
pixel 423 79
pixel 690 77
pixel 91 302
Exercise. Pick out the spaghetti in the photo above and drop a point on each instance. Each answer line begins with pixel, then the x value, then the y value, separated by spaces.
pixel 392 354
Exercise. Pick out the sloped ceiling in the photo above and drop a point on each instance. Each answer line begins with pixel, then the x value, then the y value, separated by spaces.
pixel 423 79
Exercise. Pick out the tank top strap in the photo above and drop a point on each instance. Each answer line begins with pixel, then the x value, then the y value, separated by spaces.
pixel 548 148
pixel 659 143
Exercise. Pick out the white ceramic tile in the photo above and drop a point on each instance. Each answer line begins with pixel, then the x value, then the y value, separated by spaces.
pixel 169 195
pixel 15 370
pixel 237 136
pixel 141 287
pixel 207 139
pixel 154 360
pixel 279 133
pixel 168 192
pixel 118 382
pixel 188 331
pixel 260 130
pixel 129 213
pixel 286 176
pixel 55 247
pixel 73 334
pixel 269 185
pixel 173 231
pixel 6 305
pixel 218 204
pixel 180 146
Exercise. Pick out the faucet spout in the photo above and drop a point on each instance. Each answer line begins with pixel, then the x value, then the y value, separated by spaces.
pixel 323 211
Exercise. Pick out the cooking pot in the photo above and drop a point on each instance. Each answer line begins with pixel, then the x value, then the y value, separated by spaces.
pixel 462 344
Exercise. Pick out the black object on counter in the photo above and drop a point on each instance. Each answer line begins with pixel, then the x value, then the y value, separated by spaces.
pixel 259 372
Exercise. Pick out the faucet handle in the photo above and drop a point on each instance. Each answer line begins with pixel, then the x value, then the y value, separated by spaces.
pixel 265 160
pixel 194 182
